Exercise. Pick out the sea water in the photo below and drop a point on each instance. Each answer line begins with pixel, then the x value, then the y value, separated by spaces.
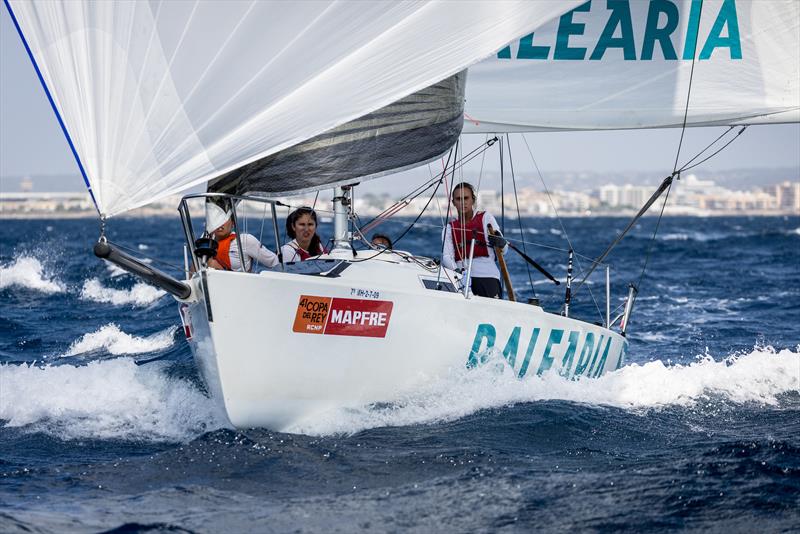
pixel 105 425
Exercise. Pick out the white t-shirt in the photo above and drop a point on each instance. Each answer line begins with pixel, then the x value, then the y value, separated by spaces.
pixel 253 250
pixel 483 266
pixel 290 253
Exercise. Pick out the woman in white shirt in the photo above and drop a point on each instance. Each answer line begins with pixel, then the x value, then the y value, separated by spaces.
pixel 458 236
pixel 301 226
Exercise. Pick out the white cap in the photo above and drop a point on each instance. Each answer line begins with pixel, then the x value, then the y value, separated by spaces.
pixel 215 216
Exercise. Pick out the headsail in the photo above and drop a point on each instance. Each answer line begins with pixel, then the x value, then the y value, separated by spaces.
pixel 159 96
pixel 611 64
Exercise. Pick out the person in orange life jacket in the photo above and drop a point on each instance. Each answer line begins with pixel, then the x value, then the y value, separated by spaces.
pixel 301 226
pixel 219 225
pixel 458 235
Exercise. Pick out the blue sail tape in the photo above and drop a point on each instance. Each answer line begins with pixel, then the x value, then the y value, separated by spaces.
pixel 52 103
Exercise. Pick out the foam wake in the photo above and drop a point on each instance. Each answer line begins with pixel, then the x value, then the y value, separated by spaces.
pixel 28 273
pixel 760 377
pixel 111 399
pixel 139 295
pixel 113 340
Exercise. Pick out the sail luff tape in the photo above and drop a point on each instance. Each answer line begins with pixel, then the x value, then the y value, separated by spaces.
pixel 52 103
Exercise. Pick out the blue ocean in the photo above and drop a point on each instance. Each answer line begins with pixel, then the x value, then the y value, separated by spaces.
pixel 105 425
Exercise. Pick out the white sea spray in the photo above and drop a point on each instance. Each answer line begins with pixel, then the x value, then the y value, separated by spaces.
pixel 27 272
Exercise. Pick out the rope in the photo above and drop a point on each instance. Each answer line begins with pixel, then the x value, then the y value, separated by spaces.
pixel 519 216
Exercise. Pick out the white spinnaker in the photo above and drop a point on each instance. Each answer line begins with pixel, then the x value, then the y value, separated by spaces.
pixel 160 96
pixel 525 93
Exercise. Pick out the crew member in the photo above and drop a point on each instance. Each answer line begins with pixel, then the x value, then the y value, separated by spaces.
pixel 301 226
pixel 458 236
pixel 381 241
pixel 219 225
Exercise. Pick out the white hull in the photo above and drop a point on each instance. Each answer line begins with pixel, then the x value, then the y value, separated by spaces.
pixel 273 365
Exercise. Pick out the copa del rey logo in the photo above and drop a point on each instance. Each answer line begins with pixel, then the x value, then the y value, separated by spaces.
pixel 342 317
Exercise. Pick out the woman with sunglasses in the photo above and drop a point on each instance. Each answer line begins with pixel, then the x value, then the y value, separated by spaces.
pixel 301 226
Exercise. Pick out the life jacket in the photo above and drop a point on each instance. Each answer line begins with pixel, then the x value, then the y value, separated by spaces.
pixel 303 253
pixel 463 235
pixel 223 251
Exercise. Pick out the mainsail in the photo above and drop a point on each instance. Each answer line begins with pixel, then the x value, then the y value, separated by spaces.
pixel 627 64
pixel 414 129
pixel 156 97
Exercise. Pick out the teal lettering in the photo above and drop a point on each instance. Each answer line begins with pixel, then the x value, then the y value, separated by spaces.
pixel 528 353
pixel 726 17
pixel 622 353
pixel 653 33
pixel 567 28
pixel 586 353
pixel 527 50
pixel 690 46
pixel 566 361
pixel 620 17
pixel 547 359
pixel 505 53
pixel 510 352
pixel 594 358
pixel 487 332
pixel 602 363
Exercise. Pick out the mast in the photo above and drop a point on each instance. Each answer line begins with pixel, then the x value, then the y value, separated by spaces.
pixel 341 213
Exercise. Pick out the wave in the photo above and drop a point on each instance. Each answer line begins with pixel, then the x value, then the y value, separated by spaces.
pixel 28 273
pixel 113 340
pixel 111 399
pixel 760 377
pixel 139 295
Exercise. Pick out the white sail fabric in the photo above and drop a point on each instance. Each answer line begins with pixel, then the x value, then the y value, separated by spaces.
pixel 158 96
pixel 615 64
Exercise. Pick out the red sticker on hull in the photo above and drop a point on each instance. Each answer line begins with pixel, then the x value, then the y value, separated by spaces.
pixel 342 317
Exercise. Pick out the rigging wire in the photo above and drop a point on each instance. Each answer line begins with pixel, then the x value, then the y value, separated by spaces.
pixel 438 184
pixel 675 171
pixel 563 228
pixel 406 200
pixel 519 216
pixel 502 192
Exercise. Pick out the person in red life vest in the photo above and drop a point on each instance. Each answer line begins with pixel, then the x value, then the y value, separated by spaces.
pixel 301 226
pixel 219 225
pixel 458 235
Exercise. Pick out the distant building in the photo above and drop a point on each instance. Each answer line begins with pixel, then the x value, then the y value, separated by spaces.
pixel 787 196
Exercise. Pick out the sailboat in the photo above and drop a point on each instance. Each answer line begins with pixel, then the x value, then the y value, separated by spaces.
pixel 260 100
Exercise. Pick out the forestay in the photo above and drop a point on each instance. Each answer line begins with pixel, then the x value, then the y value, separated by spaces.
pixel 626 64
pixel 159 96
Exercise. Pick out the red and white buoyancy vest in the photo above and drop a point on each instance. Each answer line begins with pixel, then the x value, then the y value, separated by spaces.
pixel 463 235
pixel 303 253
pixel 223 251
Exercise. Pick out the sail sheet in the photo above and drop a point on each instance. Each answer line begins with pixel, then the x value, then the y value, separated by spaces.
pixel 158 96
pixel 403 134
pixel 615 64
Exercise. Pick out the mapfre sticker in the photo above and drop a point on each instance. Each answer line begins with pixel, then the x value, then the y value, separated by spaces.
pixel 342 317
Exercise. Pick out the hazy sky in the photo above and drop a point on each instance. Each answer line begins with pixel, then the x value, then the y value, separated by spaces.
pixel 31 141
